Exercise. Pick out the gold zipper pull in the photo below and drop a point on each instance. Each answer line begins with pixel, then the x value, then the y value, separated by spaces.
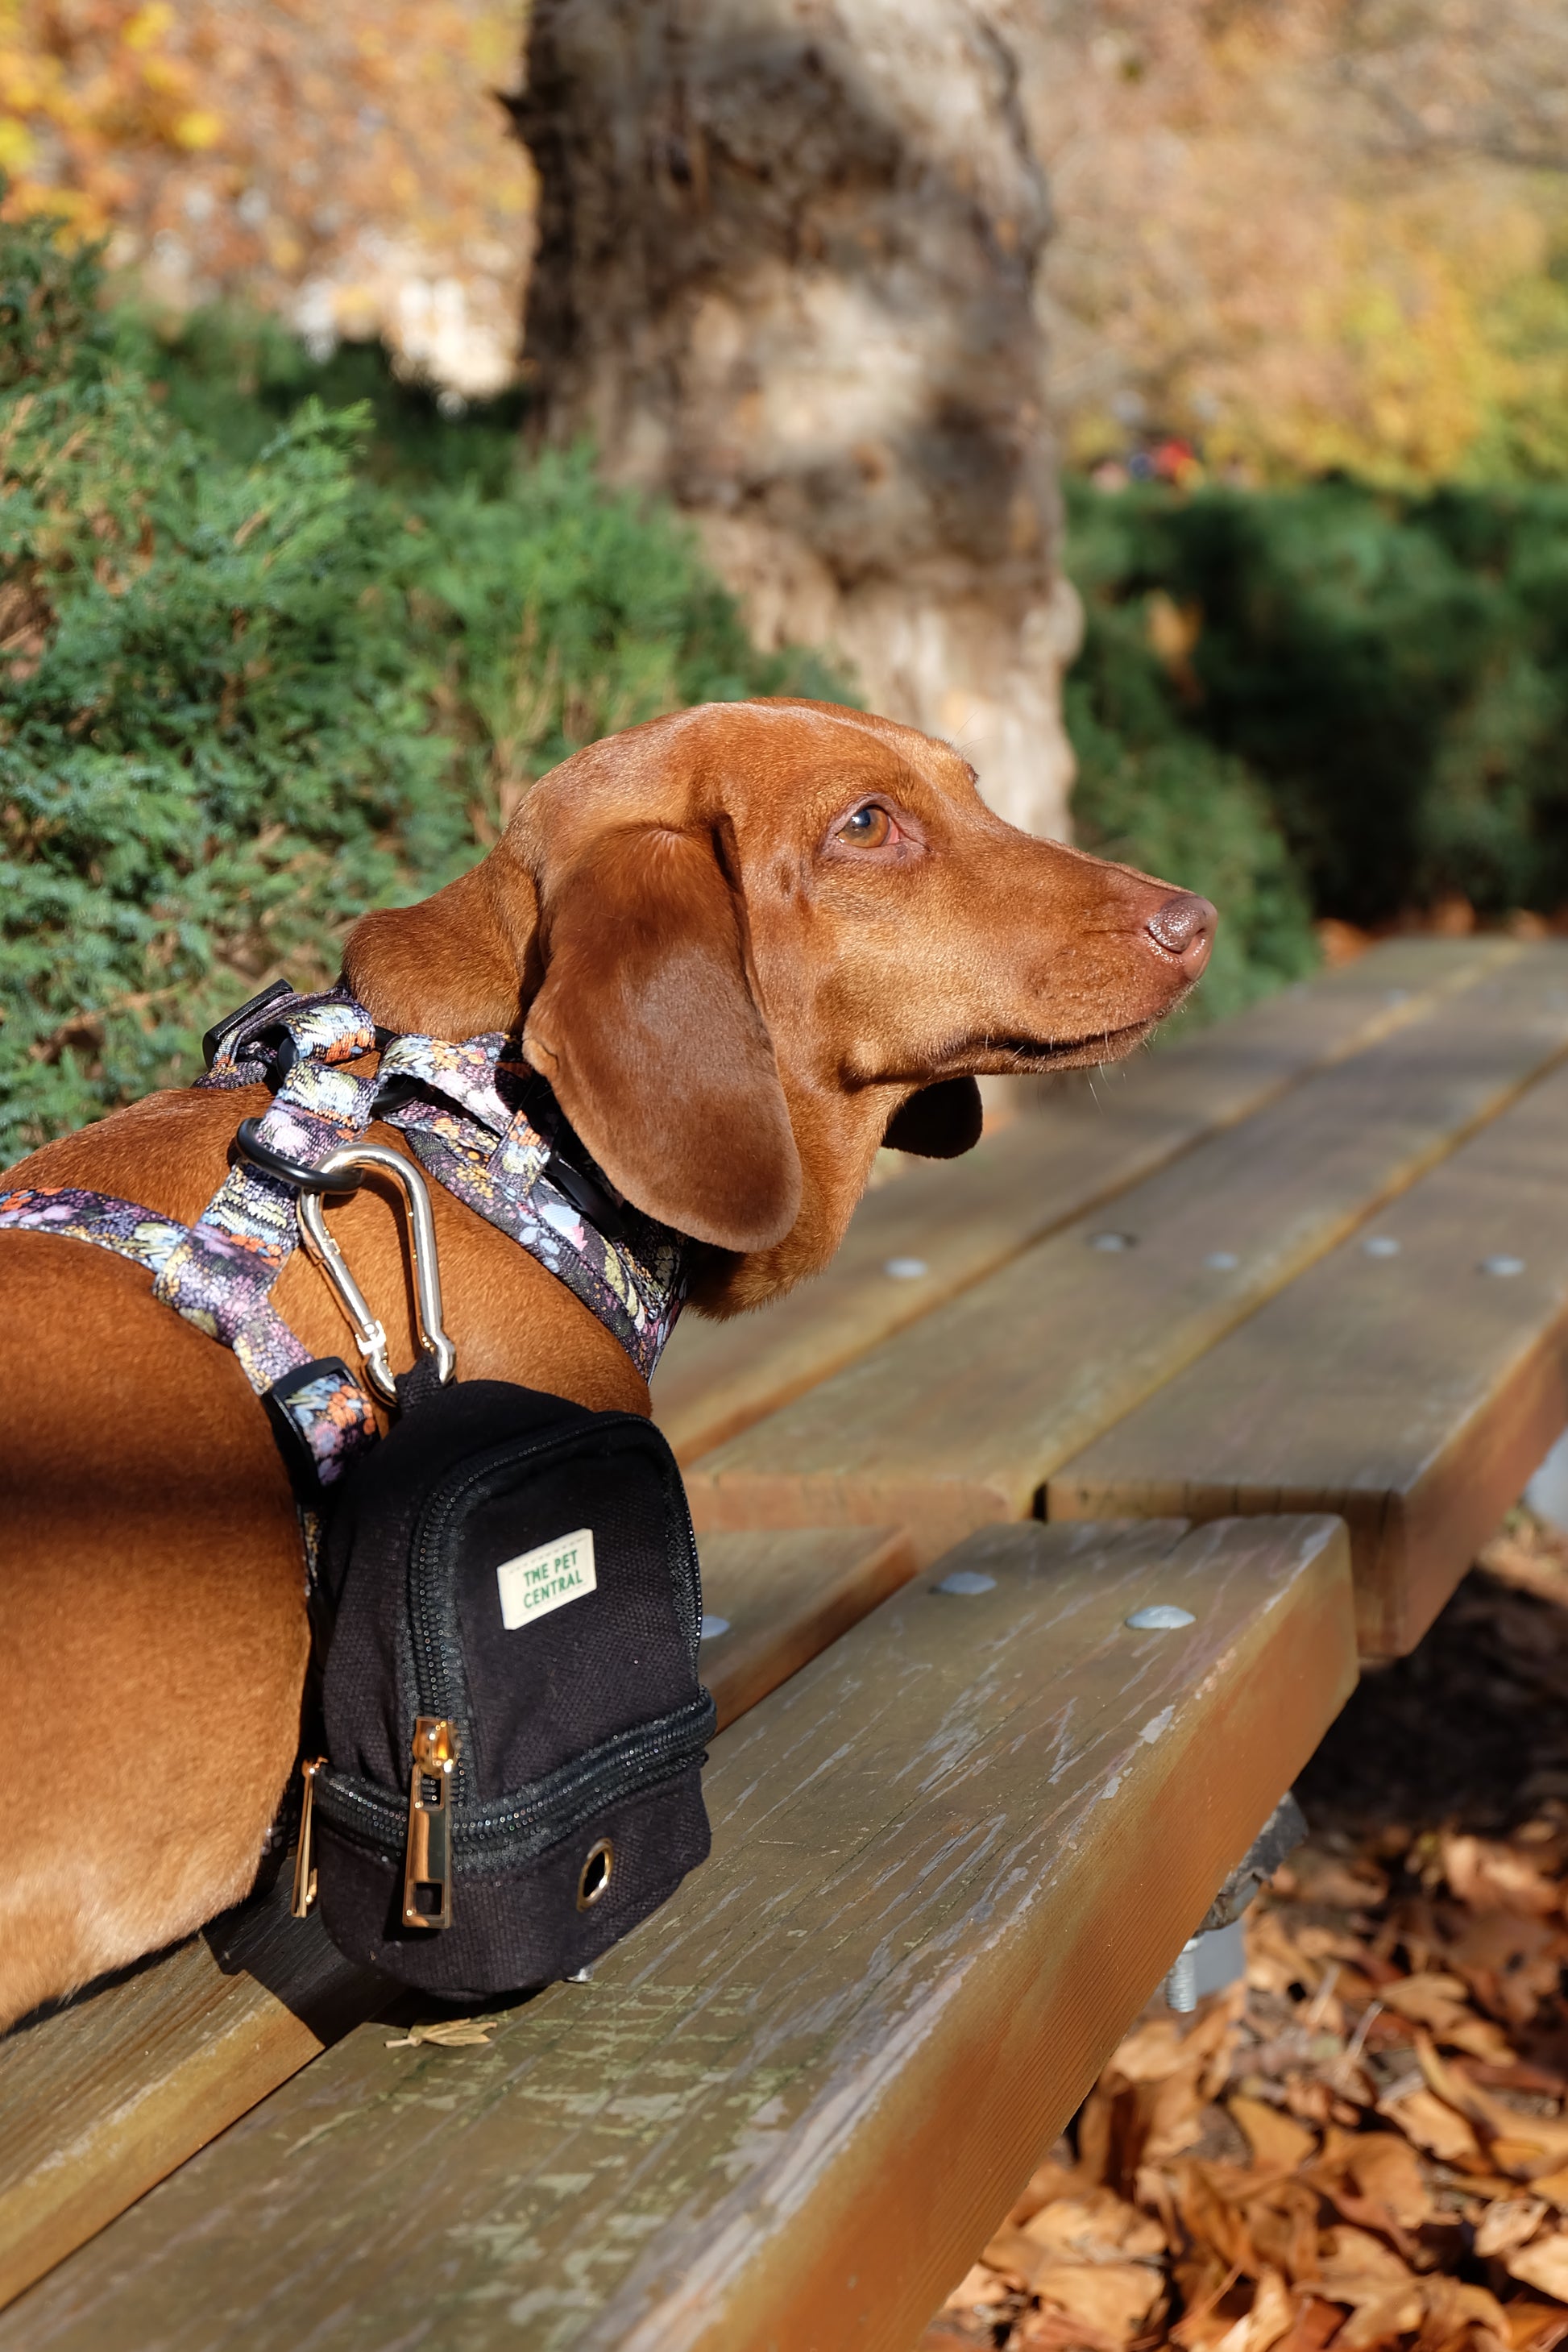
pixel 304 1869
pixel 427 1866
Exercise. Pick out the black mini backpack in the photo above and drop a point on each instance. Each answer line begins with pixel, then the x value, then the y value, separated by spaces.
pixel 513 1723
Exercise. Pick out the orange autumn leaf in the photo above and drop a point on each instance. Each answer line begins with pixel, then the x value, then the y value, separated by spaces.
pixel 1508 2225
pixel 1433 2125
pixel 1543 2263
pixel 1273 2137
pixel 1112 2298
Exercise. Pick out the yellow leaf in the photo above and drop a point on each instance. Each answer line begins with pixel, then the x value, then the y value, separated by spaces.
pixel 198 129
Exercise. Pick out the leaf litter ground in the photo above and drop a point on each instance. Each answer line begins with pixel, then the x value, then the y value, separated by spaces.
pixel 1367 2143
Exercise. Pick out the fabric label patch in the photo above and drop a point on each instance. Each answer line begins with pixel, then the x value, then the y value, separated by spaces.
pixel 537 1581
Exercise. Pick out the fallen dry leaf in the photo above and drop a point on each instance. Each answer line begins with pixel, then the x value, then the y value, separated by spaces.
pixel 1432 2124
pixel 1543 2263
pixel 1355 2266
pixel 1313 1875
pixel 1273 2137
pixel 1380 2319
pixel 1095 2227
pixel 1490 1877
pixel 1508 2223
pixel 1441 2003
pixel 1113 2298
pixel 1272 2314
pixel 1385 2174
pixel 1522 2143
pixel 449 2033
pixel 1534 2326
pixel 980 2289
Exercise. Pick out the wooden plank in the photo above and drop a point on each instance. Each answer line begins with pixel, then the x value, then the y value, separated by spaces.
pixel 1414 1392
pixel 103 2098
pixel 107 2096
pixel 782 1598
pixel 1089 1140
pixel 961 1422
pixel 953 1857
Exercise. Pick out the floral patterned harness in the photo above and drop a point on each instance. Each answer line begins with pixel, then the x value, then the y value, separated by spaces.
pixel 476 1118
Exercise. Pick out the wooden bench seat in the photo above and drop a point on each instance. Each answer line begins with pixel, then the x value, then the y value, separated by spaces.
pixel 953 1857
pixel 103 2098
pixel 1412 1387
pixel 1090 1137
pixel 955 1852
pixel 962 1420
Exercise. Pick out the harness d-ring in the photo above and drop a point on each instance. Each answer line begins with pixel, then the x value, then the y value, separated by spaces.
pixel 342 1171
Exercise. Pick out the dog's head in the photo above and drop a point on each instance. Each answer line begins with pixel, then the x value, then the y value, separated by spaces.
pixel 750 942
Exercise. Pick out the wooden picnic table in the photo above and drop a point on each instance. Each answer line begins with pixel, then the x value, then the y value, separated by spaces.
pixel 1291 1295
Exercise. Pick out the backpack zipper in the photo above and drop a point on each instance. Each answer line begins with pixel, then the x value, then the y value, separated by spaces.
pixel 427 1855
pixel 516 1829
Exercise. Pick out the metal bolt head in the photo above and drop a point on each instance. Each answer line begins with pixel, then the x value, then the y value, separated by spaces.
pixel 1502 1264
pixel 1222 1261
pixel 1110 1243
pixel 1159 1617
pixel 906 1269
pixel 966 1581
pixel 713 1627
pixel 1381 1245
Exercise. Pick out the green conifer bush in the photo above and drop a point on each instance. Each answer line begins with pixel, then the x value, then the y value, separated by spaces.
pixel 248 690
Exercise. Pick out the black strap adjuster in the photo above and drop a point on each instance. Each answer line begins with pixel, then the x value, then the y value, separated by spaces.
pixel 218 1036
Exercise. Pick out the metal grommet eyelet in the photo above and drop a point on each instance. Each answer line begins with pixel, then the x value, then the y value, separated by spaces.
pixel 594 1878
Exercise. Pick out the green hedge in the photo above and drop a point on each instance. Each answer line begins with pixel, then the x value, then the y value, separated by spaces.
pixel 263 666
pixel 1155 791
pixel 1390 676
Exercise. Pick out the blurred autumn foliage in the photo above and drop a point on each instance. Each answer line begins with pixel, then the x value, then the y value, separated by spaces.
pixel 1305 235
pixel 1312 235
pixel 348 166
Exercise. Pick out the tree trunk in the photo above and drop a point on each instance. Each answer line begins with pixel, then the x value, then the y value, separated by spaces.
pixel 785 275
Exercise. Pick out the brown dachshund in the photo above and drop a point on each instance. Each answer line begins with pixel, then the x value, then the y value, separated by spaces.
pixel 745 944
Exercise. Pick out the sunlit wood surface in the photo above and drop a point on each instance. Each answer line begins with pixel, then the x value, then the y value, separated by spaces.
pixel 952 1856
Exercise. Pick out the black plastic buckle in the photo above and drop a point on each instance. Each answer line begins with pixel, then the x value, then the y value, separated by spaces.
pixel 589 1198
pixel 215 1037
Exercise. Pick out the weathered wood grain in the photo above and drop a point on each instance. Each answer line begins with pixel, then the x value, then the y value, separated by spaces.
pixel 785 1597
pixel 1413 1393
pixel 953 1857
pixel 961 1421
pixel 101 2099
pixel 1089 1140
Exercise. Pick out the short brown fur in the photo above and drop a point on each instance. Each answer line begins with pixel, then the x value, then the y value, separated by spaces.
pixel 733 999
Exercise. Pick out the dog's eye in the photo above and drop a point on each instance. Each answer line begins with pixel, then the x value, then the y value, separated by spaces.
pixel 869 828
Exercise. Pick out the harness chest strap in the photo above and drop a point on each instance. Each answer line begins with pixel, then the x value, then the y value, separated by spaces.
pixel 476 1118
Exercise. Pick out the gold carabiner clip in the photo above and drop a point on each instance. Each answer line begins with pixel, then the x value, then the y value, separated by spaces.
pixel 370 1335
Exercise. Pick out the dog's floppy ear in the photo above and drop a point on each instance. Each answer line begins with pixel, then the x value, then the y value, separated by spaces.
pixel 448 967
pixel 646 1028
pixel 941 1122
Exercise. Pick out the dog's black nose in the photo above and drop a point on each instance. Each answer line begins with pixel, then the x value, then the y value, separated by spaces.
pixel 1184 927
